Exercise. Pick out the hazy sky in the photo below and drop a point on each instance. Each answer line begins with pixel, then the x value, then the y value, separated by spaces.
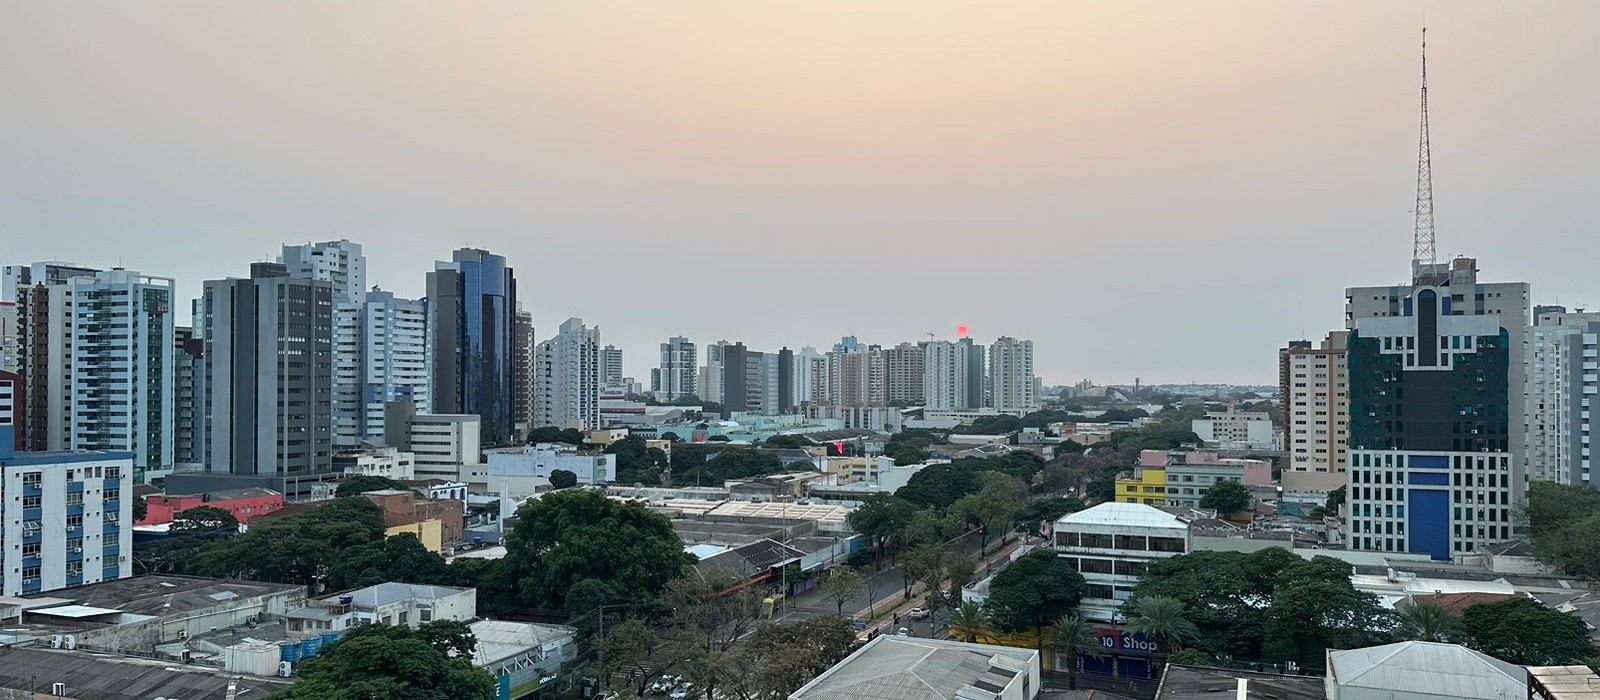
pixel 1165 190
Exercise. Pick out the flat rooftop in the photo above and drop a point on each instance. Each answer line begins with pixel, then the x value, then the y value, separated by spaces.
pixel 106 677
pixel 163 595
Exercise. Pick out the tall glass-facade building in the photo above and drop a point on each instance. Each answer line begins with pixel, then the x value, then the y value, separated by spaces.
pixel 472 304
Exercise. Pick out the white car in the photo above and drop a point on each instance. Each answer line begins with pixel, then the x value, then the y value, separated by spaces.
pixel 902 632
pixel 681 692
pixel 919 613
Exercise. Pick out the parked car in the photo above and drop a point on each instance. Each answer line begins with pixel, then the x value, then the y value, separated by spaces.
pixel 919 613
pixel 681 692
pixel 858 624
pixel 902 632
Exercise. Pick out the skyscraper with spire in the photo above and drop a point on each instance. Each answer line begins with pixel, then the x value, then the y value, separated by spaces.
pixel 1435 376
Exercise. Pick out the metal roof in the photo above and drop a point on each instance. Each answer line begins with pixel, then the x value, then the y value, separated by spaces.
pixel 908 668
pixel 1193 683
pixel 89 675
pixel 1135 514
pixel 1564 683
pixel 76 611
pixel 1430 668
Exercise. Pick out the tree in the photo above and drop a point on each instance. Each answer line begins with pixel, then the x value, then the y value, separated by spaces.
pixel 568 536
pixel 1564 523
pixel 1227 497
pixel 400 558
pixel 881 517
pixel 141 509
pixel 789 442
pixel 627 645
pixel 1525 632
pixel 970 623
pixel 563 479
pixel 551 433
pixel 909 454
pixel 719 438
pixel 1034 591
pixel 1424 622
pixel 296 548
pixel 842 585
pixel 779 658
pixel 1075 638
pixel 204 521
pixel 1049 510
pixel 362 483
pixel 670 436
pixel 1315 607
pixel 379 661
pixel 1334 500
pixel 1163 620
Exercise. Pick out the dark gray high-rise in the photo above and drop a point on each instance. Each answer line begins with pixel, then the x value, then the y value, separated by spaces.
pixel 472 303
pixel 268 375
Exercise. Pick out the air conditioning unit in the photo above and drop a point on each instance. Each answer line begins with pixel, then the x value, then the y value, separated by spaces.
pixel 183 634
pixel 78 550
pixel 55 641
pixel 285 668
pixel 72 641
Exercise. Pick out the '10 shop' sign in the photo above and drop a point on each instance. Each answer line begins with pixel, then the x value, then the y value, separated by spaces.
pixel 1126 642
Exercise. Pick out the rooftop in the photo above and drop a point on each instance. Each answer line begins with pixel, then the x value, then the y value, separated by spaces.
pixel 390 592
pixel 1564 682
pixel 164 595
pixel 499 640
pixel 910 668
pixel 1196 683
pixel 104 677
pixel 1446 670
pixel 1127 514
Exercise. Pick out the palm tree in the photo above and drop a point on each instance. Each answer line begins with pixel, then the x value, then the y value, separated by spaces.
pixel 969 622
pixel 1075 638
pixel 1162 620
pixel 1424 622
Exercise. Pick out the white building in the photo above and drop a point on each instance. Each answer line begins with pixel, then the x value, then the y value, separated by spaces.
pixel 386 462
pixel 68 518
pixel 380 354
pixel 412 605
pixel 678 375
pixel 446 446
pixel 1554 419
pixel 810 377
pixel 567 389
pixel 611 367
pixel 518 469
pixel 711 372
pixel 122 367
pixel 1012 384
pixel 945 369
pixel 339 262
pixel 1111 544
pixel 1234 429
pixel 1314 391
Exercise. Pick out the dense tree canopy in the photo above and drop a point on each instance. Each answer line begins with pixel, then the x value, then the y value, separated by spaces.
pixel 733 463
pixel 562 479
pixel 636 462
pixel 881 517
pixel 551 433
pixel 294 548
pixel 568 536
pixel 1268 604
pixel 1227 497
pixel 779 658
pixel 1525 632
pixel 400 558
pixel 204 520
pixel 362 483
pixel 789 441
pixel 1033 592
pixel 380 661
pixel 1564 522
pixel 938 486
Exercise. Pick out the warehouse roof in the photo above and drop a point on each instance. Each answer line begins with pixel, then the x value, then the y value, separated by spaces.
pixel 1431 668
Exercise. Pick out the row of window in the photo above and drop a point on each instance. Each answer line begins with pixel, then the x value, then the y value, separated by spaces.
pixel 1128 542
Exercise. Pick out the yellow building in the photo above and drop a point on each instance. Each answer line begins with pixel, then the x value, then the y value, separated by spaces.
pixel 430 532
pixel 1148 486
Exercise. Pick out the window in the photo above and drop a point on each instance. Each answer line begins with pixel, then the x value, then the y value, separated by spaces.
pixel 32 501
pixel 1167 544
pixel 74 521
pixel 30 549
pixel 1130 542
pixel 32 479
pixel 1091 565
pixel 425 615
pixel 1129 568
pixel 1100 592
pixel 1066 539
pixel 1097 541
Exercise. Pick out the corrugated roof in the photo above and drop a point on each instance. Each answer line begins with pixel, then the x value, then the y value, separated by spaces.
pixel 1447 670
pixel 908 668
pixel 1123 514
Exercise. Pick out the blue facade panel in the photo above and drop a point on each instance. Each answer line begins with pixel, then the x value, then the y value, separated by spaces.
pixel 1428 523
pixel 1429 462
pixel 1429 478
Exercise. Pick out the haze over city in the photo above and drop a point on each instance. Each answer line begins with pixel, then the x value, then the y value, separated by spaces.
pixel 1111 180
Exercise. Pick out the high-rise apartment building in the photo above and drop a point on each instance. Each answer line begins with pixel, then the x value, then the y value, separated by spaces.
pixel 977 374
pixel 858 375
pixel 611 367
pixel 678 375
pixel 188 399
pixel 946 375
pixel 339 263
pixel 69 518
pixel 44 355
pixel 810 377
pixel 568 367
pixel 10 337
pixel 523 344
pixel 1555 415
pixel 1012 384
pixel 121 375
pixel 711 374
pixel 757 382
pixel 472 302
pixel 905 374
pixel 1314 394
pixel 380 355
pixel 1435 375
pixel 268 382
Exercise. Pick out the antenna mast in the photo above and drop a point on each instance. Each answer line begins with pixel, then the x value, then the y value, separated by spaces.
pixel 1423 254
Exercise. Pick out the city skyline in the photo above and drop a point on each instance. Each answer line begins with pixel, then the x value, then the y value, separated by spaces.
pixel 1111 160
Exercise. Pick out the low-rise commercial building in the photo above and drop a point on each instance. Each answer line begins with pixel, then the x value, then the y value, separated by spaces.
pixel 516 473
pixel 1147 485
pixel 1421 671
pixel 386 603
pixel 377 460
pixel 244 504
pixel 1111 544
pixel 434 522
pixel 910 668
pixel 521 656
